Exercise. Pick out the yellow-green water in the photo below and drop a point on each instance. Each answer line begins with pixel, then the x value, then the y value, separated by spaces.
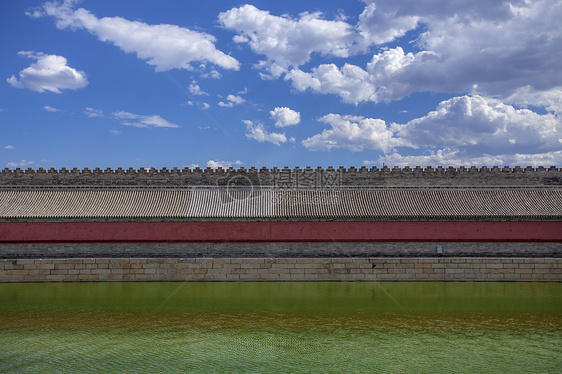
pixel 281 327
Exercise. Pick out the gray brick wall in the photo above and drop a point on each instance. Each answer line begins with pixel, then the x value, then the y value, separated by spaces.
pixel 235 250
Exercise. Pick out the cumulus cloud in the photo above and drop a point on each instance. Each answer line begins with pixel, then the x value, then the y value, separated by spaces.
pixel 550 99
pixel 284 117
pixel 466 129
pixel 479 125
pixel 492 49
pixel 495 50
pixel 352 83
pixel 354 133
pixel 287 41
pixel 48 73
pixel 222 164
pixel 232 100
pixel 213 74
pixel 194 89
pixel 51 109
pixel 448 157
pixel 258 132
pixel 22 164
pixel 139 120
pixel 9 146
pixel 114 132
pixel 163 46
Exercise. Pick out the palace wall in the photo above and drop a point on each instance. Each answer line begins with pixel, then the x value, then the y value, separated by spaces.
pixel 288 178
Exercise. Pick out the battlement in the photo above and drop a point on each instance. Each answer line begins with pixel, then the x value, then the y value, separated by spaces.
pixel 291 178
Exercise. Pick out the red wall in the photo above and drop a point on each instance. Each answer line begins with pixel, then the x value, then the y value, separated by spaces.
pixel 22 232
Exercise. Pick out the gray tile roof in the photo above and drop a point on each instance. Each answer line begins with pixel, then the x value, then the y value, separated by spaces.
pixel 345 203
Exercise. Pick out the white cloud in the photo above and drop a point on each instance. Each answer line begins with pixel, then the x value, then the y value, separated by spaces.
pixel 9 146
pixel 51 109
pixel 382 22
pixel 352 83
pixel 354 133
pixel 213 74
pixel 232 100
pixel 194 89
pixel 498 47
pixel 550 99
pixel 22 164
pixel 203 106
pixel 131 119
pixel 49 73
pixel 163 46
pixel 483 125
pixel 222 164
pixel 284 117
pixel 441 157
pixel 92 113
pixel 448 157
pixel 139 120
pixel 463 130
pixel 257 132
pixel 287 41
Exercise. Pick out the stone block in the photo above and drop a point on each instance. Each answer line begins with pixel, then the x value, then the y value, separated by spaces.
pixel 25 261
pixel 64 266
pixel 17 271
pixel 88 277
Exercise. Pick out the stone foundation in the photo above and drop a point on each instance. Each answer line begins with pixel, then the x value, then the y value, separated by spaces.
pixel 282 269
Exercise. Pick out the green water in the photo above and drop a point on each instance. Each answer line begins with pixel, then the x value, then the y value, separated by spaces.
pixel 281 327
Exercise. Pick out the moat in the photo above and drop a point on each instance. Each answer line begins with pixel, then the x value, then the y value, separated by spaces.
pixel 281 327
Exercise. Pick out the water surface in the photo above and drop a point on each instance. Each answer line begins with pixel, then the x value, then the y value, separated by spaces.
pixel 281 327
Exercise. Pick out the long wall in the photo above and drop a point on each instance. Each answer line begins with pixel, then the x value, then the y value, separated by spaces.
pixel 289 178
pixel 279 250
pixel 281 269
pixel 509 253
pixel 282 231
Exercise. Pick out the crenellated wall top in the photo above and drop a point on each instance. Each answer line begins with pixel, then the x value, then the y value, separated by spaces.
pixel 285 177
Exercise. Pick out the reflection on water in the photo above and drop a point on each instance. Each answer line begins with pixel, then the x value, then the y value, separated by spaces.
pixel 281 327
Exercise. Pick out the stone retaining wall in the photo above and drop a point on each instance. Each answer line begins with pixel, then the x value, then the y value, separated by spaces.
pixel 282 269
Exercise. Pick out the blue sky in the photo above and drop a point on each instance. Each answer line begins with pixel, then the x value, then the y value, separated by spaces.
pixel 294 83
